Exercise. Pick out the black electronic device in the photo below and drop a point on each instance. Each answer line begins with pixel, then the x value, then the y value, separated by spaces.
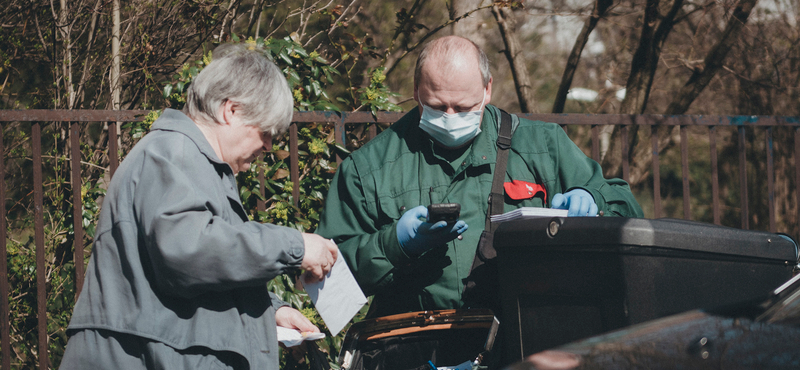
pixel 448 212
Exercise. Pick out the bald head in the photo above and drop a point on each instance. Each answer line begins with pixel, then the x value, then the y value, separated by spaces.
pixel 452 56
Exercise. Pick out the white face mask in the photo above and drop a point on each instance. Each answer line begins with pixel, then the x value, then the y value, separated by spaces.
pixel 451 130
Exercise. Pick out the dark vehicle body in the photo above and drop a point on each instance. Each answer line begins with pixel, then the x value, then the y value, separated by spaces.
pixel 634 287
pixel 565 279
pixel 763 335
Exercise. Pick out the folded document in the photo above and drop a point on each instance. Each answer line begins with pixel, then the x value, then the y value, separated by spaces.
pixel 337 297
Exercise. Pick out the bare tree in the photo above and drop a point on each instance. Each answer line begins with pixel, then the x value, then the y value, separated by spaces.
pixel 645 59
pixel 703 73
pixel 471 27
pixel 507 23
pixel 598 12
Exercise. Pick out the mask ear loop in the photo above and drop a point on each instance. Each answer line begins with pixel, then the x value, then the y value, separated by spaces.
pixel 483 102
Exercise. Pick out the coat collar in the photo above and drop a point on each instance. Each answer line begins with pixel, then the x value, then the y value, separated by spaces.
pixel 176 121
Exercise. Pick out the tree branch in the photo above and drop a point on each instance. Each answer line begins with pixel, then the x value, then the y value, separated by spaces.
pixel 600 9
pixel 703 74
pixel 519 71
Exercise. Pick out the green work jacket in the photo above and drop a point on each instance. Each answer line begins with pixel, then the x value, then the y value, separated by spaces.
pixel 400 169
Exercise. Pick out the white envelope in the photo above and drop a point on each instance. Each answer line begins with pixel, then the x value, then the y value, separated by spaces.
pixel 337 297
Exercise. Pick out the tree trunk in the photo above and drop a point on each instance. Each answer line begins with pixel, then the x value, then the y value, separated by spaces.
pixel 519 69
pixel 645 59
pixel 703 73
pixel 469 27
pixel 116 87
pixel 600 8
pixel 640 81
pixel 229 15
pixel 65 30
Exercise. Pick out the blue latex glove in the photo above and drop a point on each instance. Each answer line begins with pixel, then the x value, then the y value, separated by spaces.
pixel 417 237
pixel 578 202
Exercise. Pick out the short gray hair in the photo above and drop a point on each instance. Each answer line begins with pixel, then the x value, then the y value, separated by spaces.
pixel 244 74
pixel 451 47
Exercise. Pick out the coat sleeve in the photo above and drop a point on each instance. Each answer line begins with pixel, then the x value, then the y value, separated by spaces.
pixel 194 241
pixel 372 251
pixel 576 170
pixel 276 302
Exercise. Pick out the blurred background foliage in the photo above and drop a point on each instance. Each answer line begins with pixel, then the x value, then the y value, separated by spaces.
pixel 351 55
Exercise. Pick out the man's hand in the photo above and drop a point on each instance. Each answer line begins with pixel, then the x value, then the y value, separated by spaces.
pixel 416 236
pixel 578 202
pixel 320 255
pixel 291 318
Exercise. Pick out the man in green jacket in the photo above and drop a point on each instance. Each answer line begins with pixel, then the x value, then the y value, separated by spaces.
pixel 444 151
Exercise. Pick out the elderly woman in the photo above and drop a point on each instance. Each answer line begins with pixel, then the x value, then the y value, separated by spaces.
pixel 177 277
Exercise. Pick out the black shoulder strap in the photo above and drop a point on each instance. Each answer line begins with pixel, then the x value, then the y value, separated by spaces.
pixel 480 285
pixel 498 193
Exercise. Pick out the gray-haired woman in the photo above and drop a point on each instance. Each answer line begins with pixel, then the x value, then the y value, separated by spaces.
pixel 177 277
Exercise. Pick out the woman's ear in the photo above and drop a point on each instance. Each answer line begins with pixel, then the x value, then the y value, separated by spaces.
pixel 229 110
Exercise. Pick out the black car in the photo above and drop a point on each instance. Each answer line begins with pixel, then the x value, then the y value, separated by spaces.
pixel 754 335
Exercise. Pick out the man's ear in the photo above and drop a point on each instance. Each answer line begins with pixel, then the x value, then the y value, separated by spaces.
pixel 489 92
pixel 416 95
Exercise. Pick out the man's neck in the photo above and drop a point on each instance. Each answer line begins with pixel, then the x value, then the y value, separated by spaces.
pixel 450 154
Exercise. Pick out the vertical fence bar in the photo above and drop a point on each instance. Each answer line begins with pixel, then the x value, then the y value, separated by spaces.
pixel 712 139
pixel 77 205
pixel 373 130
pixel 294 166
pixel 770 179
pixel 743 177
pixel 5 324
pixel 626 161
pixel 338 136
pixel 687 212
pixel 596 143
pixel 113 149
pixel 38 215
pixel 261 205
pixel 656 173
pixel 797 175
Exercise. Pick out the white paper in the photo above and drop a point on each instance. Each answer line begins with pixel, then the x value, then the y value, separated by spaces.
pixel 529 212
pixel 337 297
pixel 293 337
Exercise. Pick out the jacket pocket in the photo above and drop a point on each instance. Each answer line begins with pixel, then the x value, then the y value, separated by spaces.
pixel 391 208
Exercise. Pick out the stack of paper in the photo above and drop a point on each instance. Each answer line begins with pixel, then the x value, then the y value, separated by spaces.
pixel 529 212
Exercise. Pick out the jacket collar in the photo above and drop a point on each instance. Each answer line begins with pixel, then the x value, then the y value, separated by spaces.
pixel 176 121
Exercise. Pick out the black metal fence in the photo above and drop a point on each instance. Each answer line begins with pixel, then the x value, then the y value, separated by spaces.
pixel 593 123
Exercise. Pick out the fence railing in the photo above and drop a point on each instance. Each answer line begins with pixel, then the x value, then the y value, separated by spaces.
pixel 340 121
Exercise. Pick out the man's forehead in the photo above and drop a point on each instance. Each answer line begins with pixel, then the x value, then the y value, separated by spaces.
pixel 452 64
pixel 440 86
pixel 454 76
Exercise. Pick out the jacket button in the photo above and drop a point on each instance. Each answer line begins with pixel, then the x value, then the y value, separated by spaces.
pixel 402 208
pixel 484 157
pixel 461 237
